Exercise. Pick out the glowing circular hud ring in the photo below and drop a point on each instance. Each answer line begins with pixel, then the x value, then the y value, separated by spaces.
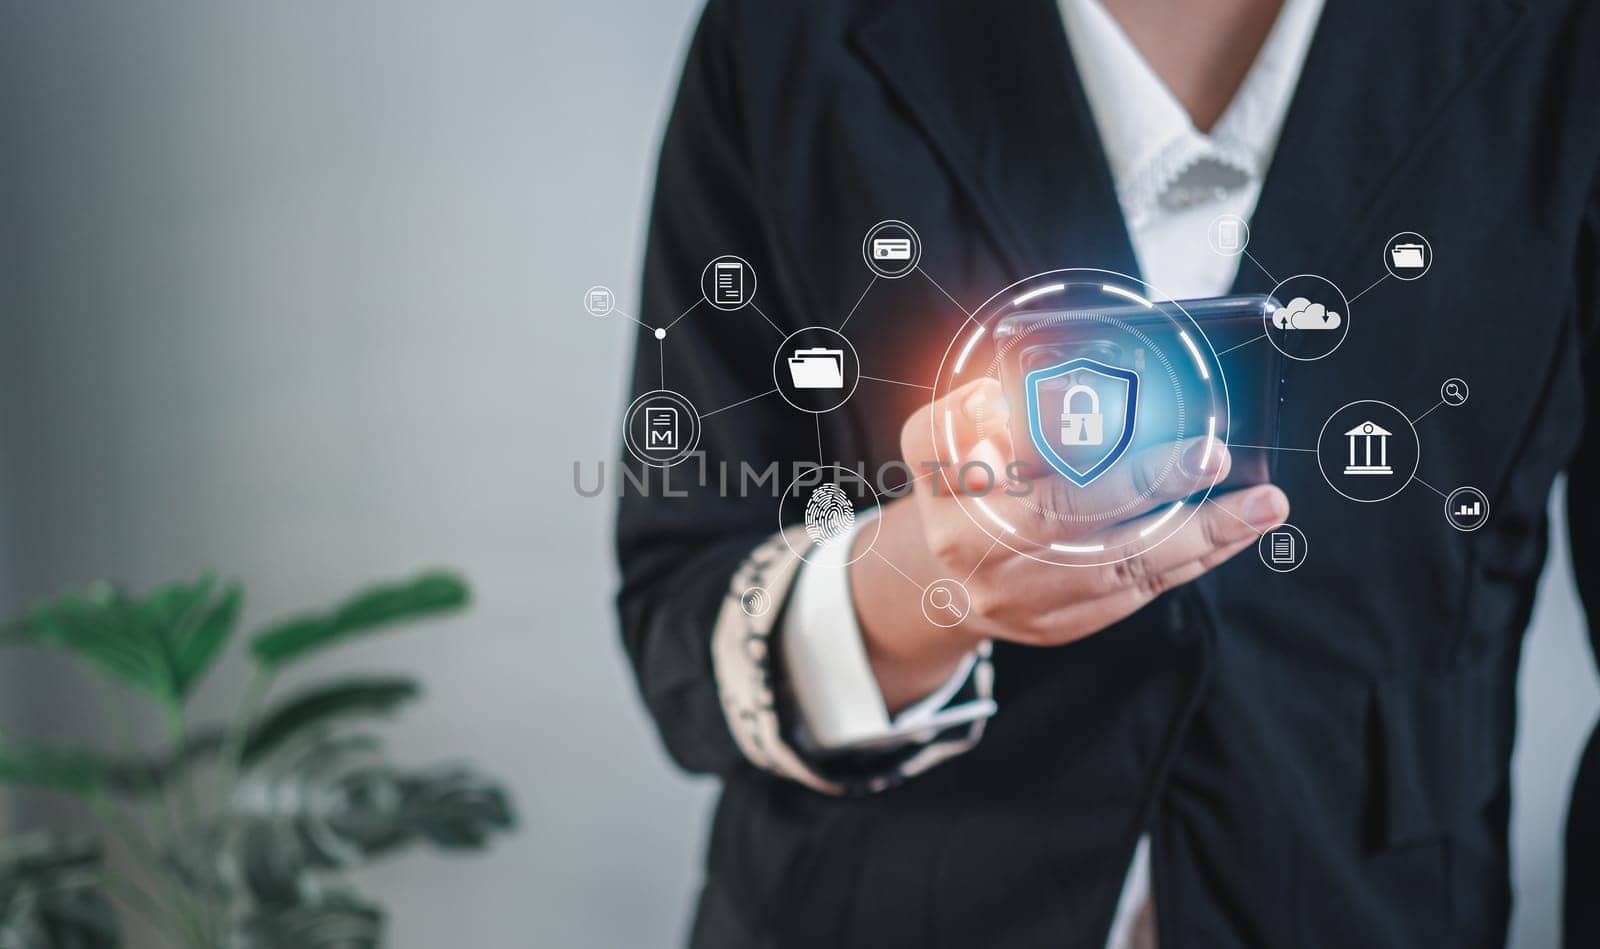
pixel 961 365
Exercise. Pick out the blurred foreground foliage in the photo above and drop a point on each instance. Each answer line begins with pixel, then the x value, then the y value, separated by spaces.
pixel 236 833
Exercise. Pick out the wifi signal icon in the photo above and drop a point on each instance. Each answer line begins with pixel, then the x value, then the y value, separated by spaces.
pixel 756 601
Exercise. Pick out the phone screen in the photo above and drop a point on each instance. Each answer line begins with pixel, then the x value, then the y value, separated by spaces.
pixel 1076 378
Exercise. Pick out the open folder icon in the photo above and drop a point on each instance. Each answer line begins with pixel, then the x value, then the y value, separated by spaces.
pixel 817 368
pixel 1407 256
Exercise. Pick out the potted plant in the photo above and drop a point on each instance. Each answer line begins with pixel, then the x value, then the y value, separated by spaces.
pixel 236 834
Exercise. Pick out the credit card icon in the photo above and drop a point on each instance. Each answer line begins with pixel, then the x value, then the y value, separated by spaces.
pixel 891 248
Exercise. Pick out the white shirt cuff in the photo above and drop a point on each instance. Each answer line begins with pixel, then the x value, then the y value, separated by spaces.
pixel 826 667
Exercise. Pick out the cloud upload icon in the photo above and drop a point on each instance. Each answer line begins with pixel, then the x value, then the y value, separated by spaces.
pixel 1302 314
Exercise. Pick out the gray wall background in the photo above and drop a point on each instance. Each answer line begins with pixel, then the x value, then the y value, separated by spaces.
pixel 292 290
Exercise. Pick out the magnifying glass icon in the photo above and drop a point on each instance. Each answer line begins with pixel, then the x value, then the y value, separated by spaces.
pixel 940 598
pixel 1453 390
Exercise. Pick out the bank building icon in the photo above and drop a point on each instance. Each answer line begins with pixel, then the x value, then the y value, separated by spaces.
pixel 1365 458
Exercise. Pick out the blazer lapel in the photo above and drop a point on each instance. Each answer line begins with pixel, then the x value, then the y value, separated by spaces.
pixel 993 87
pixel 1378 78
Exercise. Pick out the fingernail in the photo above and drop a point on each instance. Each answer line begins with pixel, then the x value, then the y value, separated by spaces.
pixel 1203 457
pixel 1266 508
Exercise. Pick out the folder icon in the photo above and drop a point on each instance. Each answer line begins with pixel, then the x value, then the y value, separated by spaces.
pixel 817 368
pixel 1407 256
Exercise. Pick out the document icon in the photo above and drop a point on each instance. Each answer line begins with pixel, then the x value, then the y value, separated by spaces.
pixel 1228 235
pixel 891 248
pixel 817 368
pixel 1407 256
pixel 1282 547
pixel 729 285
pixel 660 428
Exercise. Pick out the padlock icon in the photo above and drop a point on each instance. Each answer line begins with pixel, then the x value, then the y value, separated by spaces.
pixel 1082 428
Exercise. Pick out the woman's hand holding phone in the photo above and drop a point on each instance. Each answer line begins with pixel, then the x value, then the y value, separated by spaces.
pixel 928 535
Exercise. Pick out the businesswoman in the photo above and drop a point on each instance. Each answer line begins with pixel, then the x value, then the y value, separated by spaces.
pixel 1180 752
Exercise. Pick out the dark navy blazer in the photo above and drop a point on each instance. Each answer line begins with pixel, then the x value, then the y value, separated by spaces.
pixel 1321 758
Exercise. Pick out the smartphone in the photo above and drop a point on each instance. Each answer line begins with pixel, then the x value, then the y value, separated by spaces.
pixel 1070 373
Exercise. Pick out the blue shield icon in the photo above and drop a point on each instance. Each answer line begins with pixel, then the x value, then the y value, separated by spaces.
pixel 1081 415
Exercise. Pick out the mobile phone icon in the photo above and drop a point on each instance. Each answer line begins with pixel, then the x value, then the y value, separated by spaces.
pixel 1228 235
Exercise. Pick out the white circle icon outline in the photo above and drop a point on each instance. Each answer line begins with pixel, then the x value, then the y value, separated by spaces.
pixel 1451 512
pixel 1454 392
pixel 913 247
pixel 598 300
pixel 1344 317
pixel 756 602
pixel 1416 460
pixel 683 447
pixel 946 603
pixel 863 522
pixel 782 368
pixel 719 288
pixel 1404 246
pixel 1272 550
pixel 1228 235
pixel 959 366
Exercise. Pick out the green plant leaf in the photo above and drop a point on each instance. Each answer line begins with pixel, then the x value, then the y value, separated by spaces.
pixel 145 774
pixel 98 624
pixel 161 643
pixel 331 802
pixel 197 646
pixel 366 612
pixel 320 704
pixel 73 770
pixel 45 851
pixel 311 707
pixel 333 919
pixel 51 894
pixel 458 809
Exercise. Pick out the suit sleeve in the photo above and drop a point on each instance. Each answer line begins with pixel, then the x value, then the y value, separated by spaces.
pixel 693 538
pixel 1580 910
pixel 681 534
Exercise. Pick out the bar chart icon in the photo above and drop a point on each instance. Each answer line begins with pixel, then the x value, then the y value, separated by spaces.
pixel 1467 509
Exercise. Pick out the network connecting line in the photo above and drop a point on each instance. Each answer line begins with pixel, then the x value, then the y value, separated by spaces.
pixel 1368 450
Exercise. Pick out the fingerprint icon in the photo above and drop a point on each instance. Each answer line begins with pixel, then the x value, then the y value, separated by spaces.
pixel 829 515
